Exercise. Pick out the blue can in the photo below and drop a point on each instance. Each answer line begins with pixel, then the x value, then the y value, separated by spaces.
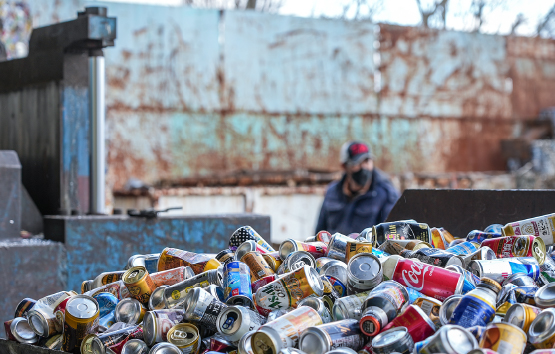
pixel 106 302
pixel 151 262
pixel 479 236
pixel 419 345
pixel 413 294
pixel 495 228
pixel 472 311
pixel 237 284
pixel 107 320
pixel 338 286
pixel 462 249
pixel 379 253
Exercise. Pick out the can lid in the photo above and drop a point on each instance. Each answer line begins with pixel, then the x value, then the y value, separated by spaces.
pixel 82 306
pixel 157 300
pixel 365 267
pixel 459 339
pixel 300 256
pixel 22 331
pixel 313 342
pixel 490 284
pixel 446 309
pixel 134 274
pixel 263 343
pixel 515 315
pixel 389 337
pixel 165 348
pixel 134 346
pixel 543 326
pixel 183 334
pixel 545 296
pixel 86 344
pixel 314 280
pixel 128 310
pixel 149 328
pixel 538 250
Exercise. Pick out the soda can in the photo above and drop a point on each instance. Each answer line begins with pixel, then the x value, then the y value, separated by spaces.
pixel 129 311
pixel 354 247
pixel 333 268
pixel 107 303
pixel 480 236
pixel 500 269
pixel 106 321
pixel 19 330
pixel 450 339
pixel 246 247
pixel 430 307
pixel 484 253
pixel 42 317
pixel 396 340
pixel 400 230
pixel 237 284
pixel 474 310
pixel 504 338
pixel 24 307
pixel 285 331
pixel 157 324
pixel 173 258
pixel 434 256
pixel 273 259
pixel 149 261
pixel 517 246
pixel 186 337
pixel 323 338
pixel 447 307
pixel 202 308
pixel 171 276
pixel 134 346
pixel 349 306
pixel 244 346
pixel 172 296
pixel 80 319
pixel 113 342
pixel 165 348
pixel 439 240
pixel 296 260
pixel 521 315
pixel 259 268
pixel 337 247
pixel 431 281
pixel 316 249
pixel 261 282
pixel 381 306
pixel 225 256
pixel 541 226
pixel 288 290
pixel 464 248
pixel 139 283
pixel 415 320
pixel 319 306
pixel 245 233
pixel 117 288
pixel 323 236
pixel 333 287
pixel 364 272
pixel 106 278
pixel 235 321
pixel 216 291
pixel 542 330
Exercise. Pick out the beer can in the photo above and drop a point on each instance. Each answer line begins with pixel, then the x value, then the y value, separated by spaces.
pixel 107 303
pixel 173 258
pixel 450 339
pixel 244 346
pixel 438 239
pixel 80 319
pixel 202 308
pixel 156 324
pixel 237 284
pixel 382 305
pixel 364 272
pixel 323 338
pixel 542 330
pixel 235 321
pixel 521 315
pixel 333 268
pixel 259 268
pixel 447 307
pixel 484 253
pixel 19 330
pixel 338 286
pixel 319 306
pixel 149 261
pixel 464 249
pixel 517 246
pixel 415 320
pixel 396 340
pixel 261 282
pixel 186 337
pixel 174 295
pixel 433 256
pixel 323 236
pixel 273 259
pixel 106 321
pixel 316 249
pixel 114 341
pixel 337 247
pixel 541 226
pixel 164 348
pixel 225 256
pixel 138 282
pixel 400 230
pixel 117 288
pixel 171 276
pixel 288 290
pixel 431 308
pixel 86 285
pixel 349 306
pixel 500 269
pixel 24 307
pixel 285 331
pixel 354 247
pixel 473 309
pixel 106 278
pixel 129 311
pixel 295 260
pixel 498 228
pixel 504 338
pixel 245 233
pixel 545 296
pixel 480 236
pixel 134 346
pixel 246 247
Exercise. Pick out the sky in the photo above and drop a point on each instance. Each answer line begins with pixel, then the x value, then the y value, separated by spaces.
pixel 499 17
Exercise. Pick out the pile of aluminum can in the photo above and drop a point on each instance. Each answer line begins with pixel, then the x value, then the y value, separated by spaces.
pixel 396 287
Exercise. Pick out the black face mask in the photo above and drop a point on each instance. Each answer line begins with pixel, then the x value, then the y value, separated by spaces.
pixel 362 176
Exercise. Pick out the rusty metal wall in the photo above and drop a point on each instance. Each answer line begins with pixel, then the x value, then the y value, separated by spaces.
pixel 198 92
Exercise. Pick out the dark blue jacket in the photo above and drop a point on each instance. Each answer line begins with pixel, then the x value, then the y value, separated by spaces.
pixel 339 214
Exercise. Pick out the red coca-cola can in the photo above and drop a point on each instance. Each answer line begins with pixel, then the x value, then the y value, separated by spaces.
pixel 261 282
pixel 432 281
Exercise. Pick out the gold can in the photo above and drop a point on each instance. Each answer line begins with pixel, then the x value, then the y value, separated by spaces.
pixel 86 344
pixel 186 337
pixel 258 266
pixel 172 258
pixel 354 247
pixel 139 283
pixel 273 259
pixel 504 338
pixel 86 286
pixel 542 330
pixel 80 319
pixel 431 308
pixel 522 315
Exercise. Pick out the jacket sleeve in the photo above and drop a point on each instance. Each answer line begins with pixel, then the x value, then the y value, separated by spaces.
pixel 392 197
pixel 322 222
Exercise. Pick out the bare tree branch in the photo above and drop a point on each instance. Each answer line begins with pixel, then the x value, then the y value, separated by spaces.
pixel 362 9
pixel 520 20
pixel 544 23
pixel 439 7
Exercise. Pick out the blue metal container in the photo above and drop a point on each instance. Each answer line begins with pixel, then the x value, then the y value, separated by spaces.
pixel 237 284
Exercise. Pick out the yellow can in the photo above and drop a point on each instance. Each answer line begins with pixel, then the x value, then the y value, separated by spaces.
pixel 139 283
pixel 258 266
pixel 355 247
pixel 504 338
pixel 273 259
pixel 186 337
pixel 80 319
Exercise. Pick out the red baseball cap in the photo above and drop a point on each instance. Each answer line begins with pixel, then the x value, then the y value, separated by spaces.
pixel 354 152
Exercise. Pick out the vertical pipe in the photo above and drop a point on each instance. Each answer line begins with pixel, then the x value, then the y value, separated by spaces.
pixel 97 110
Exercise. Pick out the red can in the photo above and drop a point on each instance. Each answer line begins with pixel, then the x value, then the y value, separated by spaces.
pixel 8 330
pixel 316 249
pixel 517 246
pixel 323 236
pixel 261 282
pixel 432 281
pixel 168 277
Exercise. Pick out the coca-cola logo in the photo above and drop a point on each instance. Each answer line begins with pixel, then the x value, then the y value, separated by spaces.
pixel 415 276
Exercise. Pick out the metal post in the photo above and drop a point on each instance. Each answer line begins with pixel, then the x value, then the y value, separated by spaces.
pixel 97 110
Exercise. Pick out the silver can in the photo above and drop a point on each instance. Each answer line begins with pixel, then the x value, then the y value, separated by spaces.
pixel 156 324
pixel 22 332
pixel 173 296
pixel 134 346
pixel 500 269
pixel 542 330
pixel 246 247
pixel 244 346
pixel 450 339
pixel 129 311
pixel 43 321
pixel 321 339
pixel 364 272
pixel 349 306
pixel 447 307
pixel 317 304
pixel 335 269
pixel 165 348
pixel 202 308
pixel 338 246
pixel 394 340
pixel 545 296
pixel 481 254
pixel 235 321
pixel 520 279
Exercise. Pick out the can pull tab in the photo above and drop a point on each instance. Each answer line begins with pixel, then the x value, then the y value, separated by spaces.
pixel 230 320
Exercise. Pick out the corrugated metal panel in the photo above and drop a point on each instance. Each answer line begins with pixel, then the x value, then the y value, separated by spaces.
pixel 284 64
